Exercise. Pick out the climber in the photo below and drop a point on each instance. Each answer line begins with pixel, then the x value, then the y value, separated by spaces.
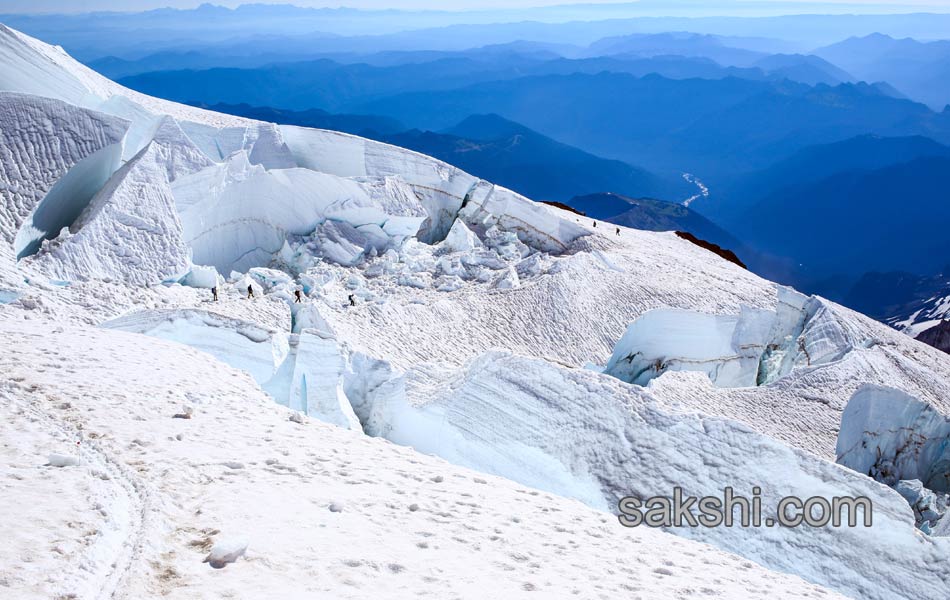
pixel 352 300
pixel 595 224
pixel 214 293
pixel 250 292
pixel 618 231
pixel 297 297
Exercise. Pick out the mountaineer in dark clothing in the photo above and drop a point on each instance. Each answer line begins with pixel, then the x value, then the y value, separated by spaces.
pixel 352 300
pixel 250 292
pixel 214 293
pixel 595 224
pixel 297 297
pixel 618 231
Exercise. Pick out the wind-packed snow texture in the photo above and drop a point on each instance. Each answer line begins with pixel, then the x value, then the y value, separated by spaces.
pixel 129 231
pixel 54 157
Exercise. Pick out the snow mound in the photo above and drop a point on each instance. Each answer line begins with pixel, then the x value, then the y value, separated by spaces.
pixel 63 460
pixel 225 552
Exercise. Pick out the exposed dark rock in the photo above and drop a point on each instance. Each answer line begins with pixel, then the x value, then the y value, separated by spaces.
pixel 715 249
pixel 937 336
pixel 563 206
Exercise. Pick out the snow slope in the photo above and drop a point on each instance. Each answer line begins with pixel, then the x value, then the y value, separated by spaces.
pixel 436 310
pixel 925 316
pixel 324 512
pixel 583 435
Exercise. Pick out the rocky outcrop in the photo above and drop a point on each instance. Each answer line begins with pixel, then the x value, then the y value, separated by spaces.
pixel 937 336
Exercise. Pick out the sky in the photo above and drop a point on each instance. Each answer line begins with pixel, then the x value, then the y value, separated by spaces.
pixel 655 7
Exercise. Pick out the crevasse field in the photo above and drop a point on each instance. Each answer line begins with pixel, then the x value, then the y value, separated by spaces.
pixel 469 386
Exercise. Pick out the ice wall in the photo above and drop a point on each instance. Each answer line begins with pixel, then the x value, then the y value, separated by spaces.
pixel 535 224
pixel 54 157
pixel 584 435
pixel 444 190
pixel 129 231
pixel 66 200
pixel 303 371
pixel 247 346
pixel 317 381
pixel 891 436
pixel 755 347
pixel 237 215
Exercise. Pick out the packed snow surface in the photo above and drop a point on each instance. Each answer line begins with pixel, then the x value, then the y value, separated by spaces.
pixel 155 496
pixel 236 345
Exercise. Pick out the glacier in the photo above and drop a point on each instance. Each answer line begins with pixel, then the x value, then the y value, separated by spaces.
pixel 437 312
pixel 588 436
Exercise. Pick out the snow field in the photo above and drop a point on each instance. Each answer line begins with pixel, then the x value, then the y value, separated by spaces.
pixel 240 471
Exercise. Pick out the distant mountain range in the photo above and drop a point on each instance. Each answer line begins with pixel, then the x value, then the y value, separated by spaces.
pixel 804 68
pixel 342 81
pixel 917 305
pixel 901 298
pixel 677 44
pixel 258 28
pixel 639 103
pixel 532 164
pixel 812 164
pixel 920 70
pixel 714 128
